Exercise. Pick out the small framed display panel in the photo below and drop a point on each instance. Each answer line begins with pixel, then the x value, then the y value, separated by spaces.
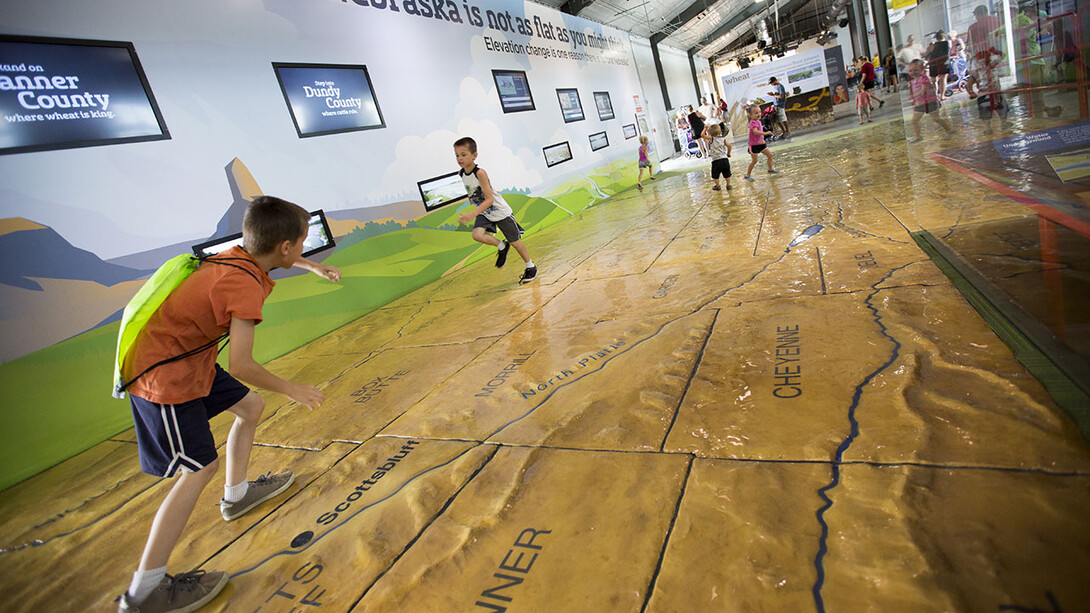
pixel 514 90
pixel 63 93
pixel 329 98
pixel 556 154
pixel 570 105
pixel 598 140
pixel 442 190
pixel 629 130
pixel 605 106
pixel 318 239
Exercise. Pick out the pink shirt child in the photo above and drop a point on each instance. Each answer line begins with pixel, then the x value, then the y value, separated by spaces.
pixel 862 99
pixel 923 91
pixel 756 132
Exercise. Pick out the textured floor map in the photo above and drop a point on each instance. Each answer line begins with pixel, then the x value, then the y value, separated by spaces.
pixel 763 399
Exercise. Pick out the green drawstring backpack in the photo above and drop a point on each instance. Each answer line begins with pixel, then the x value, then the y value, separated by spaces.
pixel 148 300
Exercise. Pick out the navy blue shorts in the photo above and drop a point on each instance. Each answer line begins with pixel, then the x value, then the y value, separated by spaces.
pixel 511 229
pixel 173 436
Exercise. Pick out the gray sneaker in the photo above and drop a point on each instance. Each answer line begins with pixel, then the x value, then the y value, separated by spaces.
pixel 259 490
pixel 178 593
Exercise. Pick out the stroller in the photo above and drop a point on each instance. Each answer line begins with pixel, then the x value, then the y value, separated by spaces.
pixel 768 119
pixel 959 75
pixel 689 146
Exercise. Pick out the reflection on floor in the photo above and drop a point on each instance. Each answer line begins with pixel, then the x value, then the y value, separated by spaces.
pixel 766 398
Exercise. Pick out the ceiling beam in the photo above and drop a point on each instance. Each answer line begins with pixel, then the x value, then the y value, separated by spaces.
pixel 786 9
pixel 574 7
pixel 684 17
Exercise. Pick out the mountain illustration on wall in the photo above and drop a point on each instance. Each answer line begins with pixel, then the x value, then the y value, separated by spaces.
pixel 51 290
pixel 31 250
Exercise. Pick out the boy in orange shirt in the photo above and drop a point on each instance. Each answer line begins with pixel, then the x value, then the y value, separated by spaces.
pixel 173 399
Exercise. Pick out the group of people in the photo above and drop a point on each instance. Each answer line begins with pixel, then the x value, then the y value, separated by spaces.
pixel 691 121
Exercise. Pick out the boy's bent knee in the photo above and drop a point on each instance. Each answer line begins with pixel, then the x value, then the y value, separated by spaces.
pixel 250 407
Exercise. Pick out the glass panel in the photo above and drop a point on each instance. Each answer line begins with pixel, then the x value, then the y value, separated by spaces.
pixel 998 142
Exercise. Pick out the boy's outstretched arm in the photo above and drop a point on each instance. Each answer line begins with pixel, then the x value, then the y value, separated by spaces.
pixel 243 367
pixel 322 270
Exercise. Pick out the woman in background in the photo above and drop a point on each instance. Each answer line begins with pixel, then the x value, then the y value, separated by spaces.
pixel 889 65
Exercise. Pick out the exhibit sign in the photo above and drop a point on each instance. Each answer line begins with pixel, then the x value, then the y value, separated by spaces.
pixel 629 130
pixel 598 140
pixel 570 105
pixel 328 98
pixel 834 72
pixel 514 90
pixel 442 190
pixel 800 73
pixel 319 238
pixel 58 93
pixel 604 104
pixel 556 154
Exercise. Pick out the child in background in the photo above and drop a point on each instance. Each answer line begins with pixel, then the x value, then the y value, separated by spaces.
pixel 645 162
pixel 925 100
pixel 757 134
pixel 863 102
pixel 989 102
pixel 490 211
pixel 719 151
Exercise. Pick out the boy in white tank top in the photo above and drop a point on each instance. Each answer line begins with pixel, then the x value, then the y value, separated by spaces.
pixel 491 212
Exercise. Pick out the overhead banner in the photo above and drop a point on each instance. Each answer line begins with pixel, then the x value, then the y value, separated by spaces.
pixel 800 73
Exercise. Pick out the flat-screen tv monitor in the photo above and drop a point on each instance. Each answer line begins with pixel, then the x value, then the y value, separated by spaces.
pixel 329 98
pixel 629 130
pixel 570 105
pixel 556 154
pixel 319 238
pixel 598 140
pixel 61 93
pixel 605 106
pixel 514 90
pixel 442 190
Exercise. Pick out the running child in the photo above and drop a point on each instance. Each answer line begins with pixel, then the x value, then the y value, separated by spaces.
pixel 645 162
pixel 757 146
pixel 863 102
pixel 172 399
pixel 925 100
pixel 719 151
pixel 491 211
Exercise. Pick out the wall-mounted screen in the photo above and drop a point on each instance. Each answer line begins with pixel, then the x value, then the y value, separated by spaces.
pixel 442 190
pixel 329 98
pixel 629 130
pixel 570 105
pixel 60 93
pixel 514 90
pixel 598 140
pixel 605 107
pixel 556 154
pixel 319 238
